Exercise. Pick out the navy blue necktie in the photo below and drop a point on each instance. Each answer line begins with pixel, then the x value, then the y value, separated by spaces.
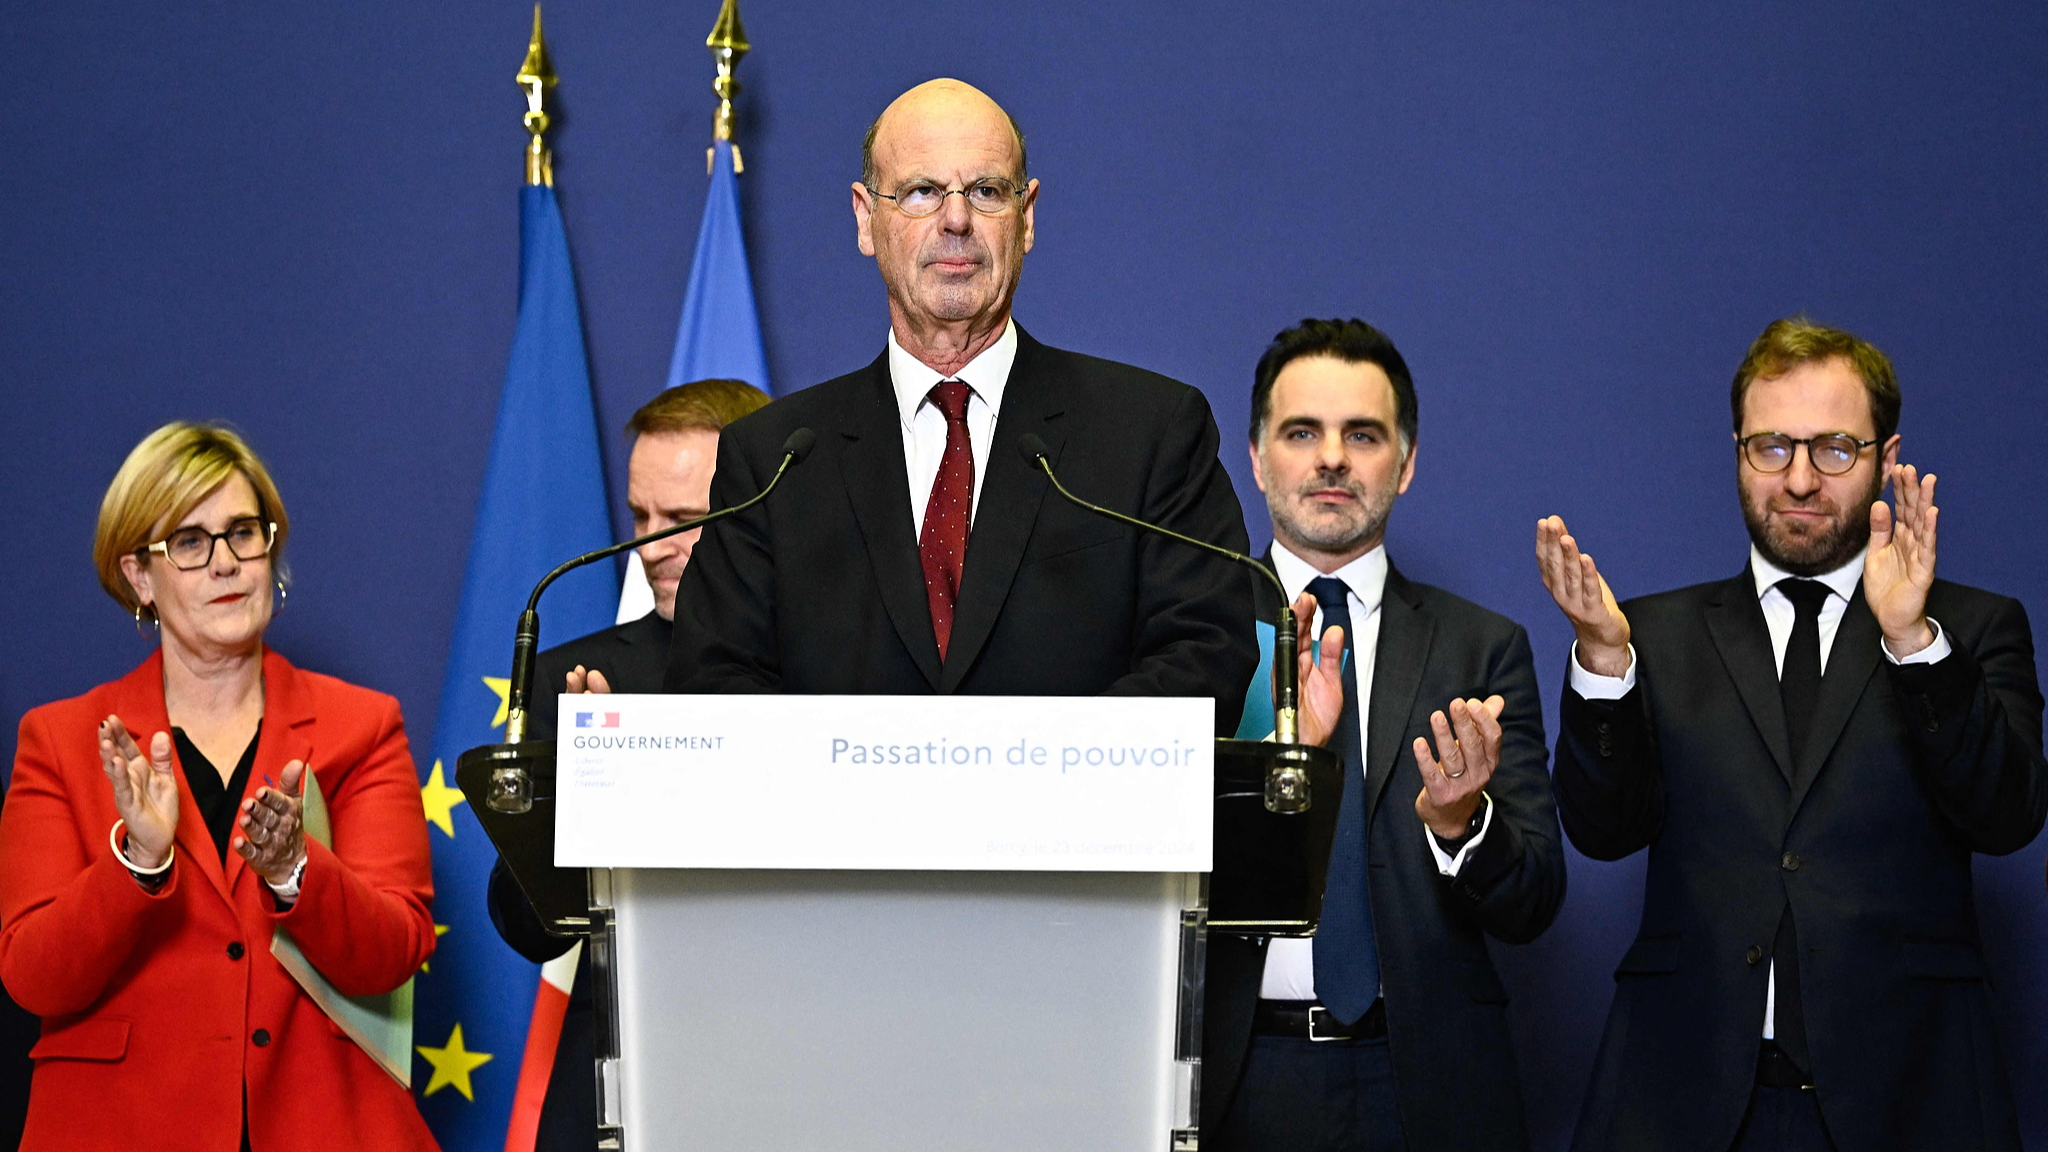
pixel 1347 963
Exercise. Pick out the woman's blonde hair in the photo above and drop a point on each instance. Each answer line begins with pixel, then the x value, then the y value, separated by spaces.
pixel 171 472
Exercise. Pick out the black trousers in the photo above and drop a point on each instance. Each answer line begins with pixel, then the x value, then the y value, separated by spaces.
pixel 1304 1096
pixel 1783 1120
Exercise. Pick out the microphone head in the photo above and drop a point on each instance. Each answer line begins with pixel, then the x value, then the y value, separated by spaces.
pixel 799 445
pixel 1032 448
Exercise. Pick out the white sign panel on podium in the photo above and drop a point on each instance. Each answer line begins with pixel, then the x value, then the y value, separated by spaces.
pixel 921 783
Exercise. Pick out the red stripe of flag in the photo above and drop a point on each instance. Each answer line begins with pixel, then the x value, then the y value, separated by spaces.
pixel 549 1005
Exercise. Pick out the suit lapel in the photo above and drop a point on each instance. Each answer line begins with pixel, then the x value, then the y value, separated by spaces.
pixel 1736 622
pixel 1852 661
pixel 1399 656
pixel 1033 400
pixel 878 484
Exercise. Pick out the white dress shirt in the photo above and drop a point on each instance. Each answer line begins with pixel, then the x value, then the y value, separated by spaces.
pixel 1778 617
pixel 1290 962
pixel 924 426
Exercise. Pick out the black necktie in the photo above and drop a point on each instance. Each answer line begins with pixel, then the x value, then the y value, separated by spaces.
pixel 1347 962
pixel 1799 688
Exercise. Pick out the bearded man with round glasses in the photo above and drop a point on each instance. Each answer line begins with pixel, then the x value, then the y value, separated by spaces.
pixel 916 551
pixel 1812 752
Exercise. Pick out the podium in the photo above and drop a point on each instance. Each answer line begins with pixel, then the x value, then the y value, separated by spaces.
pixel 881 923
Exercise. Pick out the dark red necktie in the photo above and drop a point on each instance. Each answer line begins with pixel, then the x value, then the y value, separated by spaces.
pixel 942 544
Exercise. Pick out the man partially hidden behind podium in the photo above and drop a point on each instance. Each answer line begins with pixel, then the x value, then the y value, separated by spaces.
pixel 915 551
pixel 1388 1029
pixel 668 481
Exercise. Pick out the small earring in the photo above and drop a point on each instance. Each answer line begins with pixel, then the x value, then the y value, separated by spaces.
pixel 283 594
pixel 155 625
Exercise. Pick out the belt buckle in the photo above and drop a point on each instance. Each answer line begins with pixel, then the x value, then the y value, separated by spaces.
pixel 1317 1012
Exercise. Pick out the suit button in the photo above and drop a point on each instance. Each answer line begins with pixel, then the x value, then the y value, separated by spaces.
pixel 262 1037
pixel 1789 862
pixel 1755 955
pixel 235 950
pixel 1605 729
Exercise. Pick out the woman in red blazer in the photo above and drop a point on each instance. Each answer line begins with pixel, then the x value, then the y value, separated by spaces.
pixel 151 842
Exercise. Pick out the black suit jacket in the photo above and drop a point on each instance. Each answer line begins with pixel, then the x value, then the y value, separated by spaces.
pixel 819 589
pixel 1454 1066
pixel 633 657
pixel 1867 834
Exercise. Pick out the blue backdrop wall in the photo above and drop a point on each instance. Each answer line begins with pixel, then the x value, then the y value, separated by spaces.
pixel 302 217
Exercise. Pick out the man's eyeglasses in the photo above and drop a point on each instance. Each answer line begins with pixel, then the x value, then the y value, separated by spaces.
pixel 1830 455
pixel 990 196
pixel 191 548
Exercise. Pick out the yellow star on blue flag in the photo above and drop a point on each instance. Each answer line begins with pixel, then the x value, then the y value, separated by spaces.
pixel 502 685
pixel 440 801
pixel 452 1064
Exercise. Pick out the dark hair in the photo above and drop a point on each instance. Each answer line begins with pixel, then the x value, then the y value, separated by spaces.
pixel 706 405
pixel 1786 344
pixel 1352 341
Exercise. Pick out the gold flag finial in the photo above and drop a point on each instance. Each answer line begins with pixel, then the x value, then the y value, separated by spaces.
pixel 728 42
pixel 537 75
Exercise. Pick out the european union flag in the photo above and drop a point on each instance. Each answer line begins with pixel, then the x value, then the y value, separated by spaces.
pixel 543 501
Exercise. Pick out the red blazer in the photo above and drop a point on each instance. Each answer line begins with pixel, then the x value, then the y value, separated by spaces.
pixel 161 1011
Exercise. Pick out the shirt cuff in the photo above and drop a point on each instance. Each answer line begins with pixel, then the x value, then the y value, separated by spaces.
pixel 1448 864
pixel 1593 686
pixel 1934 652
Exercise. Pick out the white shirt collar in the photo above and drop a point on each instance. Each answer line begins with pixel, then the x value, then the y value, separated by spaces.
pixel 1842 581
pixel 1365 576
pixel 987 374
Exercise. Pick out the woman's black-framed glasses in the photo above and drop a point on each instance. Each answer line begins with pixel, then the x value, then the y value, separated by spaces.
pixel 191 548
pixel 1830 455
pixel 990 196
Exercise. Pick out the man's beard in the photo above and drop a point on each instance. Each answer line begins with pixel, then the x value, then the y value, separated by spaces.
pixel 1331 532
pixel 1812 554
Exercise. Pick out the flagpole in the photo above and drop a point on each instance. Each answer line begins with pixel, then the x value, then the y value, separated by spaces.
pixel 536 76
pixel 728 42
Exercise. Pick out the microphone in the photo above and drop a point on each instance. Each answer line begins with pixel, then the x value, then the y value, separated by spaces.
pixel 526 640
pixel 1286 689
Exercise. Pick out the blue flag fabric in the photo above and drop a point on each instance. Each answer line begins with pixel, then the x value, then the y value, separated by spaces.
pixel 719 334
pixel 543 501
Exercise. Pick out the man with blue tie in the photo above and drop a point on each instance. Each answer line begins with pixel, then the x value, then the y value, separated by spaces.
pixel 1388 1029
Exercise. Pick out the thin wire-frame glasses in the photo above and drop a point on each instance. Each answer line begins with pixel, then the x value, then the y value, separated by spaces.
pixel 990 196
